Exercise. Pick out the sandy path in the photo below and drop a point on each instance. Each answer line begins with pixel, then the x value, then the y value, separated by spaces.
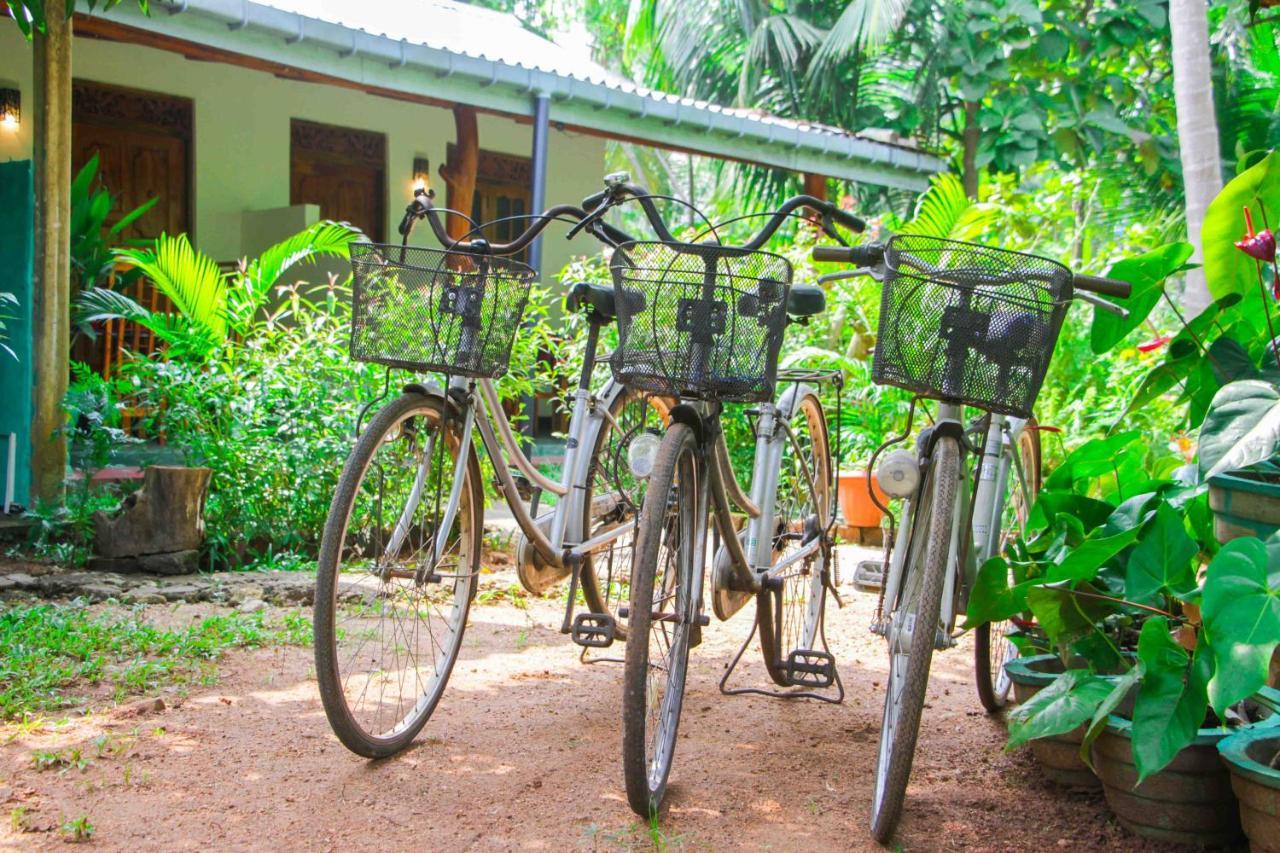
pixel 523 754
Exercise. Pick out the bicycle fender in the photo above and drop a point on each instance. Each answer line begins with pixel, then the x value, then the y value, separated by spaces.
pixel 684 413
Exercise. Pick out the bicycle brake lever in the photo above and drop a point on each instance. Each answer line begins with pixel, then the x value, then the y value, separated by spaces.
pixel 847 274
pixel 828 228
pixel 1099 302
pixel 588 220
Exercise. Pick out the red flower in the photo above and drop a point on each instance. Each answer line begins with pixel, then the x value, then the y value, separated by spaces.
pixel 1151 346
pixel 1260 246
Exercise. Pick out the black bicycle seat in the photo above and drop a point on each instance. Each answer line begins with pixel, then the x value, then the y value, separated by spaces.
pixel 806 300
pixel 599 299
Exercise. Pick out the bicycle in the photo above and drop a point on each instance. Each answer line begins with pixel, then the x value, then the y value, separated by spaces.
pixel 702 323
pixel 400 553
pixel 965 325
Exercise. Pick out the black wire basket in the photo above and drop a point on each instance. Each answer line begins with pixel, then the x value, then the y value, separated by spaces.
pixel 699 320
pixel 434 311
pixel 968 323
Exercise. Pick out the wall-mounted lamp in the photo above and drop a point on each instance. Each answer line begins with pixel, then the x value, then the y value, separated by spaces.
pixel 421 173
pixel 10 108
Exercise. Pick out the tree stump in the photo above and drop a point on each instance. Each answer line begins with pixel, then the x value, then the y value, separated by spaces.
pixel 165 516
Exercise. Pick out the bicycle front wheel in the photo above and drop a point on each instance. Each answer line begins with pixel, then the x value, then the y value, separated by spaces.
pixel 913 622
pixel 612 498
pixel 991 646
pixel 789 607
pixel 662 611
pixel 392 595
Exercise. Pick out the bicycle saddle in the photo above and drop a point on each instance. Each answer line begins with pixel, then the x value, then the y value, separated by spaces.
pixel 806 300
pixel 600 300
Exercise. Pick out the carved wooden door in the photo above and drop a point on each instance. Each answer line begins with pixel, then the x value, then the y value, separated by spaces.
pixel 342 170
pixel 143 143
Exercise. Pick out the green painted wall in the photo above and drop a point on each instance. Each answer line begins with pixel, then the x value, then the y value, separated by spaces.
pixel 16 194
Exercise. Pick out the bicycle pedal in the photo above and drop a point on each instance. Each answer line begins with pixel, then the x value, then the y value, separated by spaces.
pixel 811 668
pixel 869 575
pixel 594 630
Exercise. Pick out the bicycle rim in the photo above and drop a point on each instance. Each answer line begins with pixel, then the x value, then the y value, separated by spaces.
pixel 390 607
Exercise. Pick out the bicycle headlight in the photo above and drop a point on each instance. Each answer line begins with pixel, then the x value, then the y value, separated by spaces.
pixel 642 452
pixel 899 474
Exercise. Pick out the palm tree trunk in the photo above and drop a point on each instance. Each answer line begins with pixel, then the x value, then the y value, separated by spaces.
pixel 1197 129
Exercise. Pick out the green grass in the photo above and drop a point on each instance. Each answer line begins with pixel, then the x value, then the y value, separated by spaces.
pixel 52 651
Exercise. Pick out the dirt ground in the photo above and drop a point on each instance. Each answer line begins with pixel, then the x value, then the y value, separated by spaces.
pixel 523 753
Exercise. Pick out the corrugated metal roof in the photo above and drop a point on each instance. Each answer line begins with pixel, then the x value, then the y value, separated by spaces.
pixel 479 56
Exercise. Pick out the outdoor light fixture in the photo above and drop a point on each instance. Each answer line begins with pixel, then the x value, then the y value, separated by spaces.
pixel 421 173
pixel 10 108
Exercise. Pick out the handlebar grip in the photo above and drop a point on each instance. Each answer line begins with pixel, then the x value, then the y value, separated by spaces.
pixel 593 201
pixel 1105 286
pixel 856 224
pixel 866 255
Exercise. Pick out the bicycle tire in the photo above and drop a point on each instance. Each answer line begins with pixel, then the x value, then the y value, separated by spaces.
pixel 923 582
pixel 605 575
pixel 989 657
pixel 789 609
pixel 364 590
pixel 646 771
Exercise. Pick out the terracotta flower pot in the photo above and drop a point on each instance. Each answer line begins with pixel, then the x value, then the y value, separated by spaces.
pixel 1248 754
pixel 855 503
pixel 1243 506
pixel 1188 802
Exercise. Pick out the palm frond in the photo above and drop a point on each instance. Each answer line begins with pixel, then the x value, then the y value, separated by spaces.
pixel 190 279
pixel 780 48
pixel 99 303
pixel 863 26
pixel 253 287
pixel 945 211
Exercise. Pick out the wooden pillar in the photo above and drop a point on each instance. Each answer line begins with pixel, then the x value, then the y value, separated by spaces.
pixel 51 308
pixel 460 176
pixel 815 185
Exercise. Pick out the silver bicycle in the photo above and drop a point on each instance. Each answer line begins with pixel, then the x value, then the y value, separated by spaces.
pixel 702 323
pixel 400 553
pixel 965 325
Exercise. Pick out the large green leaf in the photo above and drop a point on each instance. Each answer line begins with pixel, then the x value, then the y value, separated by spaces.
pixel 1084 561
pixel 1242 427
pixel 1241 611
pixel 992 599
pixel 1146 273
pixel 1065 616
pixel 1171 702
pixel 1161 562
pixel 252 289
pixel 1053 502
pixel 1069 701
pixel 1092 459
pixel 1227 269
pixel 1120 690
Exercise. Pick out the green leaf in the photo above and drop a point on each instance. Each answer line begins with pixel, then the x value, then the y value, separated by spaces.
pixel 1227 269
pixel 133 215
pixel 1241 428
pixel 1171 702
pixel 1050 504
pixel 1084 561
pixel 1146 273
pixel 1161 562
pixel 1091 459
pixel 188 277
pixel 1230 361
pixel 1120 690
pixel 1064 616
pixel 992 599
pixel 1241 612
pixel 1069 701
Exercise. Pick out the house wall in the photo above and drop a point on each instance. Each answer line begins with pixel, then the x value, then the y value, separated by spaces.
pixel 241 143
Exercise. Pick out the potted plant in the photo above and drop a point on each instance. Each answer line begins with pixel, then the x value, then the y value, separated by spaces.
pixel 1199 674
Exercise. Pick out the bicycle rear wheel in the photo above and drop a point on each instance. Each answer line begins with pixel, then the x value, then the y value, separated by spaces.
pixel 391 606
pixel 663 602
pixel 991 647
pixel 912 634
pixel 789 607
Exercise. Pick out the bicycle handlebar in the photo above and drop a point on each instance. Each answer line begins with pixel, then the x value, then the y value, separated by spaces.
pixel 619 191
pixel 872 254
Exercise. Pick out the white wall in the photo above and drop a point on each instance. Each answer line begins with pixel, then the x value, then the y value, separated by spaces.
pixel 241 145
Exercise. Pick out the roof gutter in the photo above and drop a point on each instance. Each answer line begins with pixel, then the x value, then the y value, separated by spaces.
pixel 244 27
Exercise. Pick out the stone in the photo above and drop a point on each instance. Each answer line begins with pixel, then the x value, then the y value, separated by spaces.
pixel 17 580
pixel 245 592
pixel 98 591
pixel 253 605
pixel 165 515
pixel 172 563
pixel 182 592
